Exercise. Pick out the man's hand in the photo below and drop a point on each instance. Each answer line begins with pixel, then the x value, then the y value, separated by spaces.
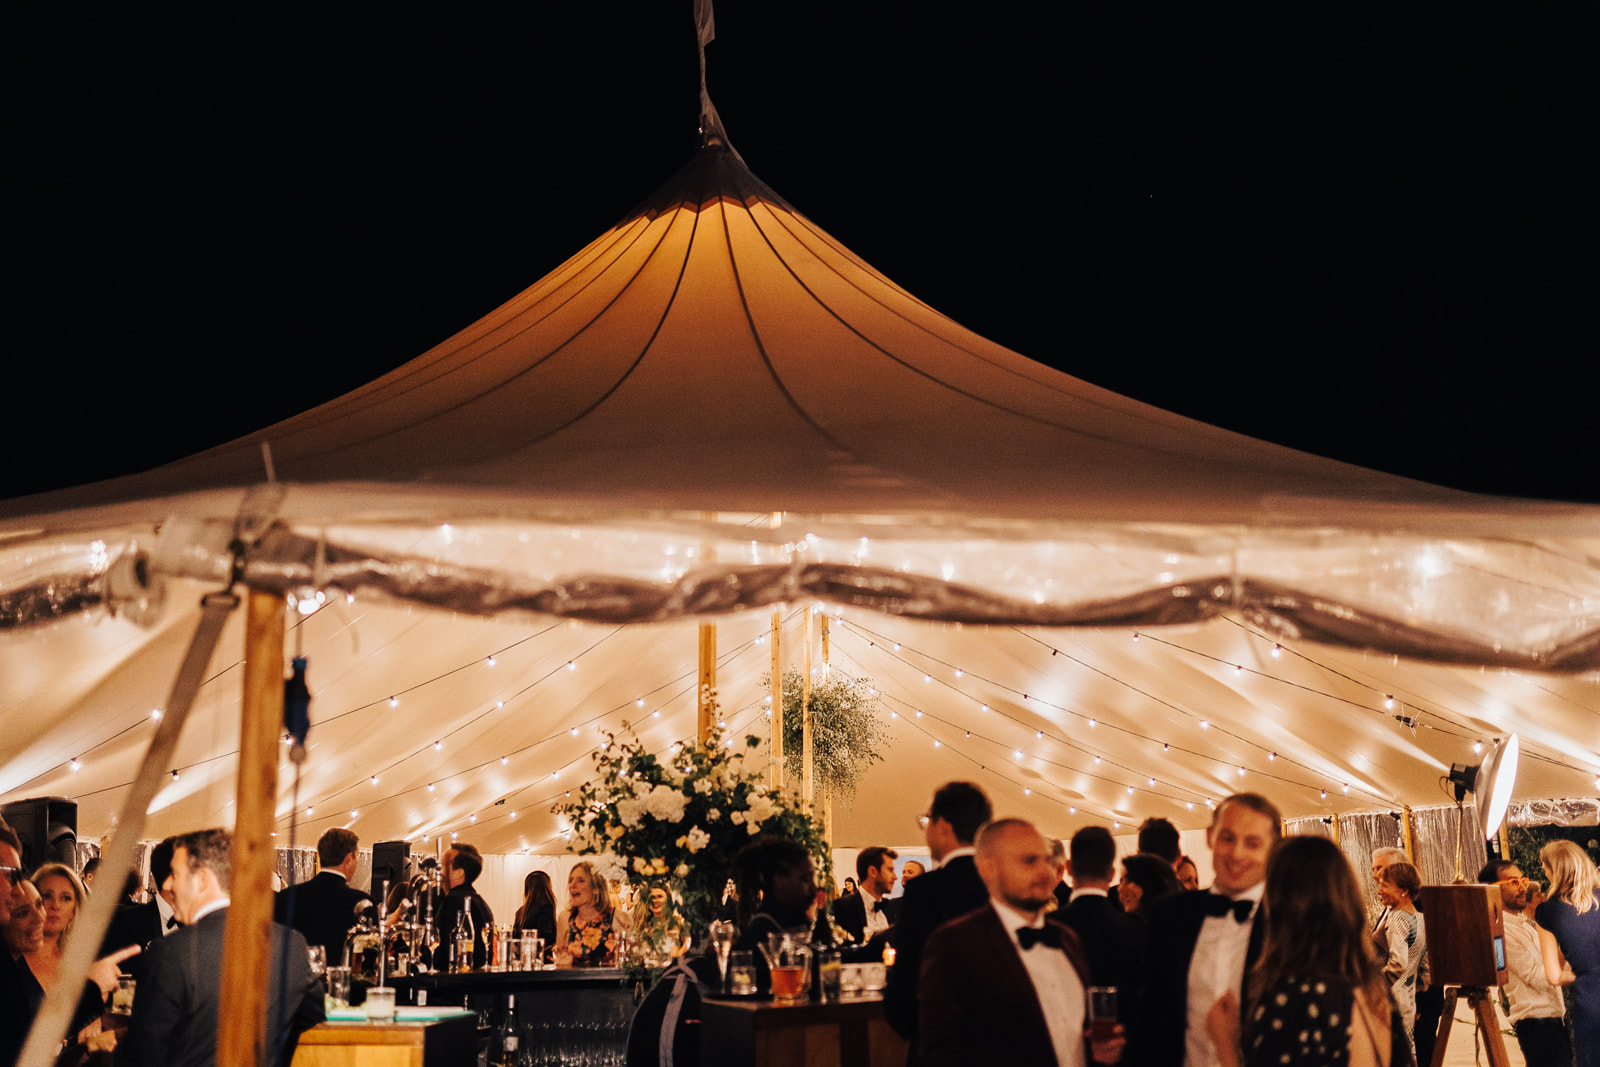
pixel 103 972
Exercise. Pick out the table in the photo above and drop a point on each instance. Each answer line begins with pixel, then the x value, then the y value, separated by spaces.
pixel 850 1033
pixel 447 1041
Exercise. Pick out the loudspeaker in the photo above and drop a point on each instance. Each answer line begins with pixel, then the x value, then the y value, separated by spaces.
pixel 48 827
pixel 389 860
pixel 1466 934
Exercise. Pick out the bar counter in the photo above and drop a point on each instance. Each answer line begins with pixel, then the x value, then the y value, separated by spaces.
pixel 450 1041
pixel 759 1033
pixel 559 1013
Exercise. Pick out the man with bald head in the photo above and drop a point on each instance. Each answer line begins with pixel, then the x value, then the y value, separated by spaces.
pixel 1004 984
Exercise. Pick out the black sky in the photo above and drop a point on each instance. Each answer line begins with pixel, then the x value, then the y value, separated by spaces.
pixel 1365 233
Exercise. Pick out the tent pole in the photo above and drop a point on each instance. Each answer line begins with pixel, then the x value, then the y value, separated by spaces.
pixel 806 781
pixel 1405 833
pixel 1336 828
pixel 246 942
pixel 708 680
pixel 824 629
pixel 775 773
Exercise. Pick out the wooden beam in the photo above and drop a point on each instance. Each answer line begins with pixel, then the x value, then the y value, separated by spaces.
pixel 775 770
pixel 247 942
pixel 807 784
pixel 708 680
pixel 1405 833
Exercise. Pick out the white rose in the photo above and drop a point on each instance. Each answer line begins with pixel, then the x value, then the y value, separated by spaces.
pixel 666 803
pixel 703 786
pixel 695 840
pixel 736 818
pixel 713 815
pixel 628 811
pixel 681 871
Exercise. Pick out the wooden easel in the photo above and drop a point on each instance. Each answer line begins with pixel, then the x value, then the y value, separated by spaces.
pixel 1488 1024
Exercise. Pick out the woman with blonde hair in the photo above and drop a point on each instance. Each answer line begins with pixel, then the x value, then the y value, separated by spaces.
pixel 62 895
pixel 594 928
pixel 1569 937
pixel 1316 997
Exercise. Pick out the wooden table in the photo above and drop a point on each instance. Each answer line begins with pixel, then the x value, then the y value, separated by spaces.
pixel 850 1033
pixel 451 1041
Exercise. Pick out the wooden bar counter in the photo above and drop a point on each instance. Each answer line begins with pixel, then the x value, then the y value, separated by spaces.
pixel 759 1033
pixel 447 1039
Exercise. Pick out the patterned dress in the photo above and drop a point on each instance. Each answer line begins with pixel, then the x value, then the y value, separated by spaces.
pixel 592 944
pixel 1305 1022
pixel 1408 947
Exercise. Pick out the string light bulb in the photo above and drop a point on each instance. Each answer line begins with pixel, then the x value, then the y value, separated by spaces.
pixel 74 765
pixel 394 702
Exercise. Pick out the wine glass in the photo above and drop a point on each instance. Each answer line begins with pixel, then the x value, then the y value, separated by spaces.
pixel 722 939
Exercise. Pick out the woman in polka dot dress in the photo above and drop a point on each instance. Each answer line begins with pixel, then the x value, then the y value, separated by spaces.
pixel 1317 995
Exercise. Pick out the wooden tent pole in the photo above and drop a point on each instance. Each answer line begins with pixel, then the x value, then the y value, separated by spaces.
pixel 775 773
pixel 1336 828
pixel 708 680
pixel 1405 833
pixel 247 943
pixel 806 781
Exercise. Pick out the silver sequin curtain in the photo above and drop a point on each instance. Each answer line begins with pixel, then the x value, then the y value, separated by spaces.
pixel 296 865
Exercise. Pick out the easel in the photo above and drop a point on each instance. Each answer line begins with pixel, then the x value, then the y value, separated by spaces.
pixel 1488 1024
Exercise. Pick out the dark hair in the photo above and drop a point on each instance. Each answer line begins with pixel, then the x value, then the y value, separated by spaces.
pixel 1093 853
pixel 760 862
pixel 1256 803
pixel 210 850
pixel 161 862
pixel 8 836
pixel 1315 922
pixel 1493 869
pixel 872 858
pixel 1405 877
pixel 92 867
pixel 335 846
pixel 964 806
pixel 468 862
pixel 537 895
pixel 1158 837
pixel 1152 875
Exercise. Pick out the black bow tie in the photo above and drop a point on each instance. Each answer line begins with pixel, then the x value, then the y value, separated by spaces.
pixel 172 921
pixel 1028 937
pixel 1221 905
pixel 879 906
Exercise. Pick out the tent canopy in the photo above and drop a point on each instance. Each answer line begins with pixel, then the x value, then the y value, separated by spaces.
pixel 715 410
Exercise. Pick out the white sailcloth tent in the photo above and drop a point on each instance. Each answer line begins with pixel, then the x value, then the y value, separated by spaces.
pixel 1094 608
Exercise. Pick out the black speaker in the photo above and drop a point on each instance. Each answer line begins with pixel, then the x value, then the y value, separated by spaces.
pixel 48 827
pixel 389 860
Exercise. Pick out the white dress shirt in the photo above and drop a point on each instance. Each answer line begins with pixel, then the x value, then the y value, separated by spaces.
pixel 1529 991
pixel 167 915
pixel 1057 985
pixel 1216 968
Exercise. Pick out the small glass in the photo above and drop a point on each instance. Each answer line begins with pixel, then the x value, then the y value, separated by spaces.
pixel 380 1004
pixel 1102 1012
pixel 829 967
pixel 338 987
pixel 502 950
pixel 742 974
pixel 849 981
pixel 874 976
pixel 122 996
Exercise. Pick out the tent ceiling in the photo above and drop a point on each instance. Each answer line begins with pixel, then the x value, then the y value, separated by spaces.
pixel 716 409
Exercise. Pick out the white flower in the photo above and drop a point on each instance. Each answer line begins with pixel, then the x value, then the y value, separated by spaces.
pixel 681 871
pixel 703 786
pixel 762 808
pixel 713 815
pixel 696 840
pixel 736 818
pixel 628 811
pixel 666 803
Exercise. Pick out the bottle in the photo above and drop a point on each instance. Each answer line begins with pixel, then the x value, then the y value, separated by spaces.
pixel 461 943
pixel 506 1042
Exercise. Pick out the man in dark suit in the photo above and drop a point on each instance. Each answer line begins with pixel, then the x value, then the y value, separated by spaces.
pixel 1002 984
pixel 951 890
pixel 16 1013
pixel 140 924
pixel 868 911
pixel 174 1021
pixel 1202 942
pixel 325 908
pixel 1113 942
pixel 462 865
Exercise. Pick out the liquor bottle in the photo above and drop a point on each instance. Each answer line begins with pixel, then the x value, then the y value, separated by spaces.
pixel 506 1040
pixel 466 941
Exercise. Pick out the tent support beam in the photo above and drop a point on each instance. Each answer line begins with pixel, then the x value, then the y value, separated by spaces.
pixel 708 680
pixel 775 773
pixel 806 781
pixel 247 940
pixel 1406 838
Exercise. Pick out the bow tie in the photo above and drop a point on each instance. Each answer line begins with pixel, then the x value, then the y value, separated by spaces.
pixel 879 906
pixel 1028 937
pixel 171 922
pixel 1221 905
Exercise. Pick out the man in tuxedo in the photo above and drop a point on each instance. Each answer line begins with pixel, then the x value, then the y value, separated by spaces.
pixel 951 889
pixel 1113 942
pixel 868 912
pixel 1003 984
pixel 326 907
pixel 16 1015
pixel 140 924
pixel 174 1021
pixel 1201 942
pixel 462 865
pixel 1159 838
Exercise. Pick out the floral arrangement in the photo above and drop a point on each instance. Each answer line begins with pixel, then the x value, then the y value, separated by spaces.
pixel 678 822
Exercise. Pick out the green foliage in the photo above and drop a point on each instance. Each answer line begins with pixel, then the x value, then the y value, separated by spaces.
pixel 846 735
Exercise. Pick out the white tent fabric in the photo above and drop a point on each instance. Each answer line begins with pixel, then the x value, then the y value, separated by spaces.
pixel 714 410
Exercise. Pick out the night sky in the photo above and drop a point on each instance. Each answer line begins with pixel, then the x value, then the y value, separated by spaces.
pixel 1362 232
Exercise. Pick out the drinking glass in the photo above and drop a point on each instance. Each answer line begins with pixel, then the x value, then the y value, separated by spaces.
pixel 742 973
pixel 1102 1012
pixel 380 1003
pixel 829 966
pixel 722 940
pixel 339 986
pixel 122 996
